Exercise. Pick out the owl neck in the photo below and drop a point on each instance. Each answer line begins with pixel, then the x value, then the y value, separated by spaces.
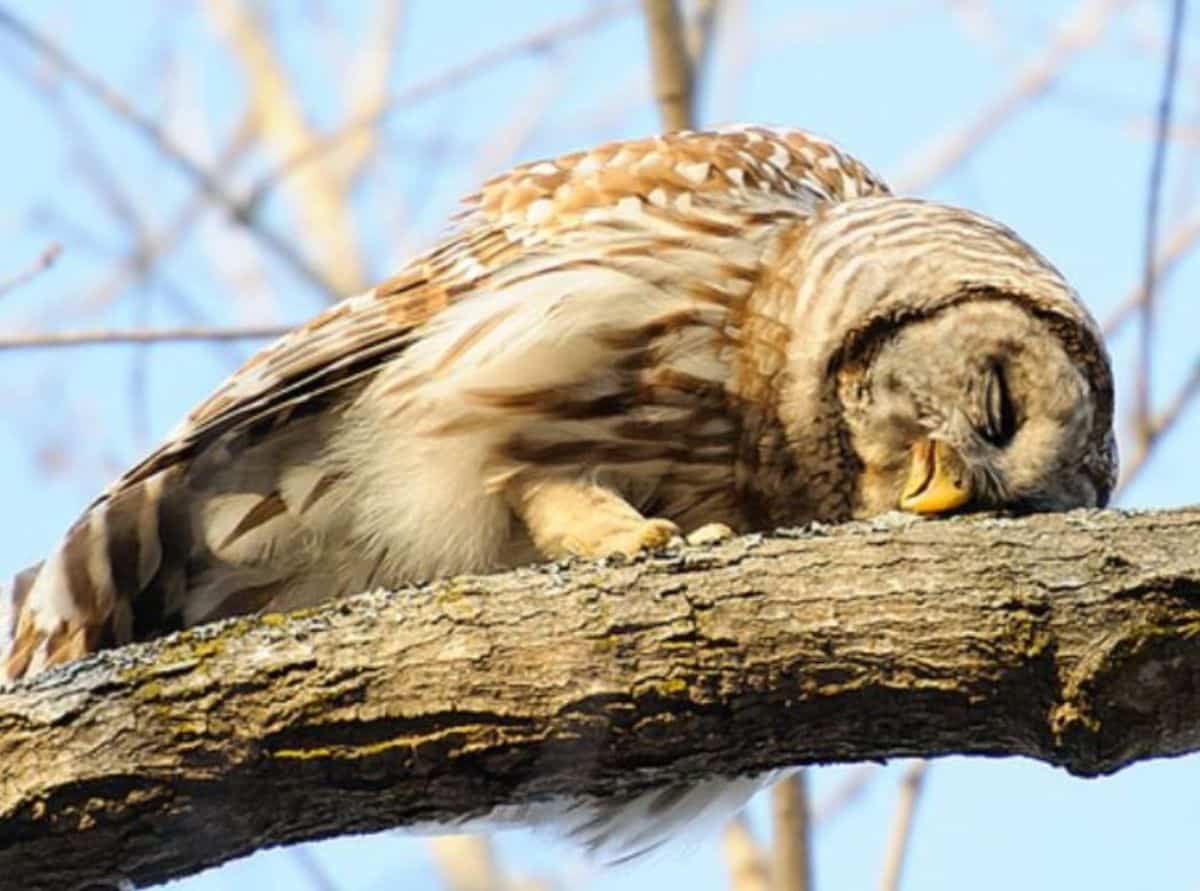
pixel 794 462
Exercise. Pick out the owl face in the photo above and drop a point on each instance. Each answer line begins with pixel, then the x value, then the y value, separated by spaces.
pixel 979 405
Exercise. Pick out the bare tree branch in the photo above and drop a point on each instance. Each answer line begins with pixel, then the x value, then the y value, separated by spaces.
pixel 115 336
pixel 1176 247
pixel 1159 426
pixel 791 841
pixel 745 860
pixel 898 842
pixel 240 211
pixel 1143 398
pixel 318 878
pixel 467 863
pixel 847 793
pixel 947 150
pixel 538 41
pixel 670 63
pixel 367 88
pixel 1070 638
pixel 701 23
pixel 44 260
pixel 318 190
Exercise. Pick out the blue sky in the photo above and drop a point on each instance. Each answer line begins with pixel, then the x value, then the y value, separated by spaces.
pixel 887 80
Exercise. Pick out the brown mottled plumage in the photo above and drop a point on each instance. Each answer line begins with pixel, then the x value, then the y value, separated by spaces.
pixel 739 327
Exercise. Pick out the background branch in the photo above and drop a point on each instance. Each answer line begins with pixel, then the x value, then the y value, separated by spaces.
pixel 671 64
pixel 1143 397
pixel 946 151
pixel 902 826
pixel 207 182
pixel 115 336
pixel 791 839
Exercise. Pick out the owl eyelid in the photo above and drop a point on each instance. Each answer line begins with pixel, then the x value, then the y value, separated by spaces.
pixel 999 412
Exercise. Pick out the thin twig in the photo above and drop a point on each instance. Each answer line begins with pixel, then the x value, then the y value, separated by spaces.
pixel 116 336
pixel 318 191
pixel 240 211
pixel 366 90
pixel 910 794
pixel 318 877
pixel 1177 245
pixel 1142 396
pixel 670 64
pixel 745 860
pixel 846 794
pixel 529 112
pixel 1159 426
pixel 701 24
pixel 535 42
pixel 44 260
pixel 948 150
pixel 791 840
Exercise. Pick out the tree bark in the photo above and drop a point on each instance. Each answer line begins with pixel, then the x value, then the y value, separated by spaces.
pixel 1073 639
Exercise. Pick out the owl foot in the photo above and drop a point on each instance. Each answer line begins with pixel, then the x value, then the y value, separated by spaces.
pixel 710 534
pixel 567 517
pixel 649 535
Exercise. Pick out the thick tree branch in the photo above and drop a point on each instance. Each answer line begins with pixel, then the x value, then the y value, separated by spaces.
pixel 1073 639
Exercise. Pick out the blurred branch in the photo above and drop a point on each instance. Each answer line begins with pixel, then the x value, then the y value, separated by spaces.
pixel 1143 398
pixel 366 90
pixel 240 211
pixel 527 114
pixel 748 861
pixel 1159 426
pixel 744 859
pixel 910 794
pixel 701 24
pixel 44 260
pixel 791 840
pixel 538 41
pixel 848 791
pixel 114 336
pixel 317 190
pixel 671 66
pixel 467 863
pixel 1176 247
pixel 318 877
pixel 949 149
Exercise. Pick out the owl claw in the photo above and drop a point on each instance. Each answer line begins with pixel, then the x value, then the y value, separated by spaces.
pixel 710 534
pixel 650 535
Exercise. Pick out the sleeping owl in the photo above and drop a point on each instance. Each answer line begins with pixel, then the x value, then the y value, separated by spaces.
pixel 739 327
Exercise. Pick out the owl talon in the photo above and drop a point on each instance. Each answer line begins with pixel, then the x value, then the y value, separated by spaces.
pixel 650 535
pixel 710 534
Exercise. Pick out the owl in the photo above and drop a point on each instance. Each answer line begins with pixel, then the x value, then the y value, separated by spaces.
pixel 740 327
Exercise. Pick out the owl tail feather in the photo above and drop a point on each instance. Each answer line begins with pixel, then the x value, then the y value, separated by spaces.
pixel 81 598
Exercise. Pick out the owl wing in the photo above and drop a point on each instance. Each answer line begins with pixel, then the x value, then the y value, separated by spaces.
pixel 513 216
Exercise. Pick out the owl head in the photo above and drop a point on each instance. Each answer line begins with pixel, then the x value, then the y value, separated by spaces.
pixel 968 375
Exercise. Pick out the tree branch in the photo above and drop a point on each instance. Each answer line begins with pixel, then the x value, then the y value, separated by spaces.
pixel 240 211
pixel 1073 639
pixel 672 66
pixel 1038 75
pixel 113 336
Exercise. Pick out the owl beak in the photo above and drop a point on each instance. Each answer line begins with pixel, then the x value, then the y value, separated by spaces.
pixel 937 482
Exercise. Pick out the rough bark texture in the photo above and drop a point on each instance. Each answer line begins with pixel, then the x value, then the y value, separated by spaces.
pixel 1074 639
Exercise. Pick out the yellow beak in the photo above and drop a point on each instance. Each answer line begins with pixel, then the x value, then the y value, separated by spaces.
pixel 937 482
